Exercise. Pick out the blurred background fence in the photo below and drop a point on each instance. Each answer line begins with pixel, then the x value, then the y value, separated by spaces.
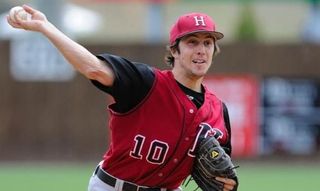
pixel 268 73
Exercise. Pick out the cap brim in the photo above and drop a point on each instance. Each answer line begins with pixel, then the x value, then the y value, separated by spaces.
pixel 217 35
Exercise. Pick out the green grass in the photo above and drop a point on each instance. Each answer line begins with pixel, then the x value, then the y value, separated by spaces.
pixel 285 177
pixel 45 177
pixel 75 177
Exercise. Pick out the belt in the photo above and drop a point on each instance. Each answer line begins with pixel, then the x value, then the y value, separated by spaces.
pixel 127 186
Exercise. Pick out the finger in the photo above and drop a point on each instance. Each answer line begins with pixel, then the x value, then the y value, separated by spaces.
pixel 20 23
pixel 29 9
pixel 17 18
pixel 13 24
pixel 226 180
pixel 231 181
pixel 228 187
pixel 221 179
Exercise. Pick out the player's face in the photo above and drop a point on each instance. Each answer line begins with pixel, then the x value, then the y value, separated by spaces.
pixel 195 57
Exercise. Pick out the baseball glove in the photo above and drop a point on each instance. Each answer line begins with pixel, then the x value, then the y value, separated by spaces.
pixel 212 161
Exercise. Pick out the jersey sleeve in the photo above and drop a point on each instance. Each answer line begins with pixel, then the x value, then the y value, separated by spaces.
pixel 228 127
pixel 132 82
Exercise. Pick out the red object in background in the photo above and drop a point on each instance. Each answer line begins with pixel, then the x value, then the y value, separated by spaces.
pixel 126 1
pixel 241 95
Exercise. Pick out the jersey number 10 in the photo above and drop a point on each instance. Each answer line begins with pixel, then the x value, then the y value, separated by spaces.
pixel 157 151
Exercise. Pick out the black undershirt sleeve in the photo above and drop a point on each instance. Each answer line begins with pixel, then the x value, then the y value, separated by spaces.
pixel 228 126
pixel 132 82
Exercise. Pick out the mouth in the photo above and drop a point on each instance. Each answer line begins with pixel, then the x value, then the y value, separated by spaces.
pixel 198 61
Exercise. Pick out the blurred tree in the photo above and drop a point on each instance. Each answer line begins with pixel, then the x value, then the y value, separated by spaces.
pixel 247 28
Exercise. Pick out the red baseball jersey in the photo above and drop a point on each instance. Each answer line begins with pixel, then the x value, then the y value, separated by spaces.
pixel 152 144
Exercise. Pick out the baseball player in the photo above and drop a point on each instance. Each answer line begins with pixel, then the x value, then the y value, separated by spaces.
pixel 157 114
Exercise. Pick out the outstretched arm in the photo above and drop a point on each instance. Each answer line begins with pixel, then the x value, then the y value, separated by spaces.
pixel 78 56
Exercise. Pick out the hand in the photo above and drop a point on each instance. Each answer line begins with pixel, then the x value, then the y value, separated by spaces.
pixel 229 184
pixel 36 23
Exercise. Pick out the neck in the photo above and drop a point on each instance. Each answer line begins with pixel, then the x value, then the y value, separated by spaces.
pixel 189 81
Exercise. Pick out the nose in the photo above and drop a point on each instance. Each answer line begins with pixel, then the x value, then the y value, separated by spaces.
pixel 201 49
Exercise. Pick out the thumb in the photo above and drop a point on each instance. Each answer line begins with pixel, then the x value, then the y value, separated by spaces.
pixel 29 9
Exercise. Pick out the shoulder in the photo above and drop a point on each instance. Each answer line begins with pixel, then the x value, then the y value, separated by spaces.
pixel 212 96
pixel 164 74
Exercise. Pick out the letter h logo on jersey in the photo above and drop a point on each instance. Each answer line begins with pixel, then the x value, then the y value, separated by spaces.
pixel 199 20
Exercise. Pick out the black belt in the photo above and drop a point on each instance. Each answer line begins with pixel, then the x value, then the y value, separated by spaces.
pixel 127 186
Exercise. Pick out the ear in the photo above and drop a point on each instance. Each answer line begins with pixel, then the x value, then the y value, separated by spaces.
pixel 174 52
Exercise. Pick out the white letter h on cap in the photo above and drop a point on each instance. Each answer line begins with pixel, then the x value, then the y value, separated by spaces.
pixel 199 21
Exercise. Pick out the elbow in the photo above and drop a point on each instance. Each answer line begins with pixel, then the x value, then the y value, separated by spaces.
pixel 99 76
pixel 90 74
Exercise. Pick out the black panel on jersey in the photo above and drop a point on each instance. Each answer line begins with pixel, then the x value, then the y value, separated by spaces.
pixel 228 126
pixel 132 82
pixel 196 97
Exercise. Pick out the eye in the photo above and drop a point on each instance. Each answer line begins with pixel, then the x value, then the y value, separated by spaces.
pixel 208 42
pixel 192 41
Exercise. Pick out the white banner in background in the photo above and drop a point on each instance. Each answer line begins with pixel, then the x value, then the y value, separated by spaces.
pixel 34 58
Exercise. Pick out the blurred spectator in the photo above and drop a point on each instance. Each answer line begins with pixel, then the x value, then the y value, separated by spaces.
pixel 311 30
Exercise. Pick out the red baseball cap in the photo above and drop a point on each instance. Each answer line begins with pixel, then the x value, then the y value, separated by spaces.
pixel 192 23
